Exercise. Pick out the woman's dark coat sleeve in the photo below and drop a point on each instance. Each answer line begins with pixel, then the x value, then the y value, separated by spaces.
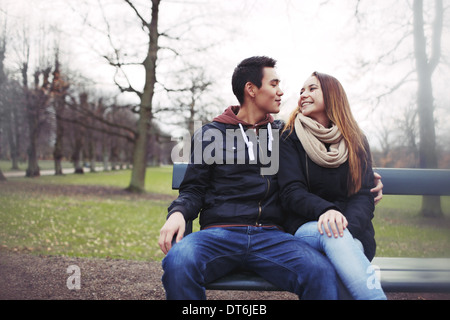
pixel 292 179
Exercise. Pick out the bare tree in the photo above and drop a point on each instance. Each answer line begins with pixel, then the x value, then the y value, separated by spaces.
pixel 13 119
pixel 193 101
pixel 37 99
pixel 2 82
pixel 422 35
pixel 121 59
pixel 58 91
pixel 384 135
pixel 37 92
pixel 137 182
pixel 90 122
pixel 408 125
pixel 145 109
pixel 425 66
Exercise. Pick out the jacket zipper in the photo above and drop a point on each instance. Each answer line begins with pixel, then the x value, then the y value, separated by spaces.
pixel 267 191
pixel 260 201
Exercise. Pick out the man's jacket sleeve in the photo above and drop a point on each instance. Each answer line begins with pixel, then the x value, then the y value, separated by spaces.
pixel 194 185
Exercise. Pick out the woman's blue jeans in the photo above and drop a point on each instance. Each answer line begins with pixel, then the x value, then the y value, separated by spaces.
pixel 277 256
pixel 347 256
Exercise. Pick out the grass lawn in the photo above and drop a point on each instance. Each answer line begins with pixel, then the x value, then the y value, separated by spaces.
pixel 401 231
pixel 50 215
pixel 42 221
pixel 158 179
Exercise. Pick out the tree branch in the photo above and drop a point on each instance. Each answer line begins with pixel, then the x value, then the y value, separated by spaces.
pixel 93 115
pixel 99 129
pixel 395 87
pixel 144 22
pixel 437 33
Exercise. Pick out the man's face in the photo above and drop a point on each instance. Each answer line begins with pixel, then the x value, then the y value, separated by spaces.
pixel 268 97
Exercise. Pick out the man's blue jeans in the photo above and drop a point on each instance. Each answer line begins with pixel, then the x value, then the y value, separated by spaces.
pixel 278 257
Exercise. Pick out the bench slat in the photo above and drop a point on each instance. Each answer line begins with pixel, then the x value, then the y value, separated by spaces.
pixel 396 181
pixel 415 281
pixel 179 170
pixel 414 274
pixel 242 280
pixel 397 274
pixel 415 181
pixel 418 264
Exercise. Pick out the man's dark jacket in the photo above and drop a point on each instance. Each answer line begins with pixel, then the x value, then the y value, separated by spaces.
pixel 229 194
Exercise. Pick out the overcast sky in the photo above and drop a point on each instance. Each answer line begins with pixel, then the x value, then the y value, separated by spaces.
pixel 304 36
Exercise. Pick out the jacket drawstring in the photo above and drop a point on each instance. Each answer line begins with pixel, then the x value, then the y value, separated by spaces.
pixel 269 131
pixel 249 144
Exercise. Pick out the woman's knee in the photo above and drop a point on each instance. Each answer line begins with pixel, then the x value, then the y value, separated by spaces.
pixel 308 229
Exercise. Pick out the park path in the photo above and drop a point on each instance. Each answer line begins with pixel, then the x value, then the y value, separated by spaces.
pixel 21 173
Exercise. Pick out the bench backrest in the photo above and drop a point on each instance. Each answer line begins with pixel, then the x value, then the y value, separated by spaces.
pixel 415 181
pixel 395 181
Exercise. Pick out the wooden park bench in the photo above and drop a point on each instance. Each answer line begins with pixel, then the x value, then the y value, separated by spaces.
pixel 397 274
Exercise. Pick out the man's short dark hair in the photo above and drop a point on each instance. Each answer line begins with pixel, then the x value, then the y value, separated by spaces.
pixel 250 70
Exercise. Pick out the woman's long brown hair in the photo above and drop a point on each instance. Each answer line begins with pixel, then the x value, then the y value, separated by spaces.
pixel 338 111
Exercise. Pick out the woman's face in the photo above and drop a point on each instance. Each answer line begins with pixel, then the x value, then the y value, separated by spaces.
pixel 311 101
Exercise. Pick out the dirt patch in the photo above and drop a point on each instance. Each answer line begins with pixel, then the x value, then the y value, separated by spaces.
pixel 30 277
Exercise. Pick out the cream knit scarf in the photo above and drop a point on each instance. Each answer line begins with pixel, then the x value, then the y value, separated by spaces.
pixel 313 136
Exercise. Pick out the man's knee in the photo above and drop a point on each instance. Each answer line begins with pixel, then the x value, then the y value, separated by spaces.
pixel 179 258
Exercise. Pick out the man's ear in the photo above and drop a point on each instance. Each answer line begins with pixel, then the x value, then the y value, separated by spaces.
pixel 250 89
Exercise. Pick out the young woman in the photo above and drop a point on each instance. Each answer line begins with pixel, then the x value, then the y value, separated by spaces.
pixel 325 178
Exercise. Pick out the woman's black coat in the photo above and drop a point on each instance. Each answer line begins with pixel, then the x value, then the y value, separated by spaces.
pixel 308 190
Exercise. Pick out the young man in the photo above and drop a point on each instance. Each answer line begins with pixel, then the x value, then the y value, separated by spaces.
pixel 240 214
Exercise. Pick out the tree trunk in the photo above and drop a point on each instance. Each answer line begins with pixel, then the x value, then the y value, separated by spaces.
pixel 16 154
pixel 12 136
pixel 92 158
pixel 58 149
pixel 33 128
pixel 58 90
pixel 2 176
pixel 90 149
pixel 431 206
pixel 36 101
pixel 137 183
pixel 77 158
pixel 105 154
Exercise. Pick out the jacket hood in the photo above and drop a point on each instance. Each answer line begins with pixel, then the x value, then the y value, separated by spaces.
pixel 229 117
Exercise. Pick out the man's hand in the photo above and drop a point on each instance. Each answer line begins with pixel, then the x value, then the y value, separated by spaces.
pixel 175 225
pixel 378 189
pixel 338 222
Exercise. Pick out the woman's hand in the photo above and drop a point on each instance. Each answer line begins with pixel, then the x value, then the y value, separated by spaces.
pixel 332 219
